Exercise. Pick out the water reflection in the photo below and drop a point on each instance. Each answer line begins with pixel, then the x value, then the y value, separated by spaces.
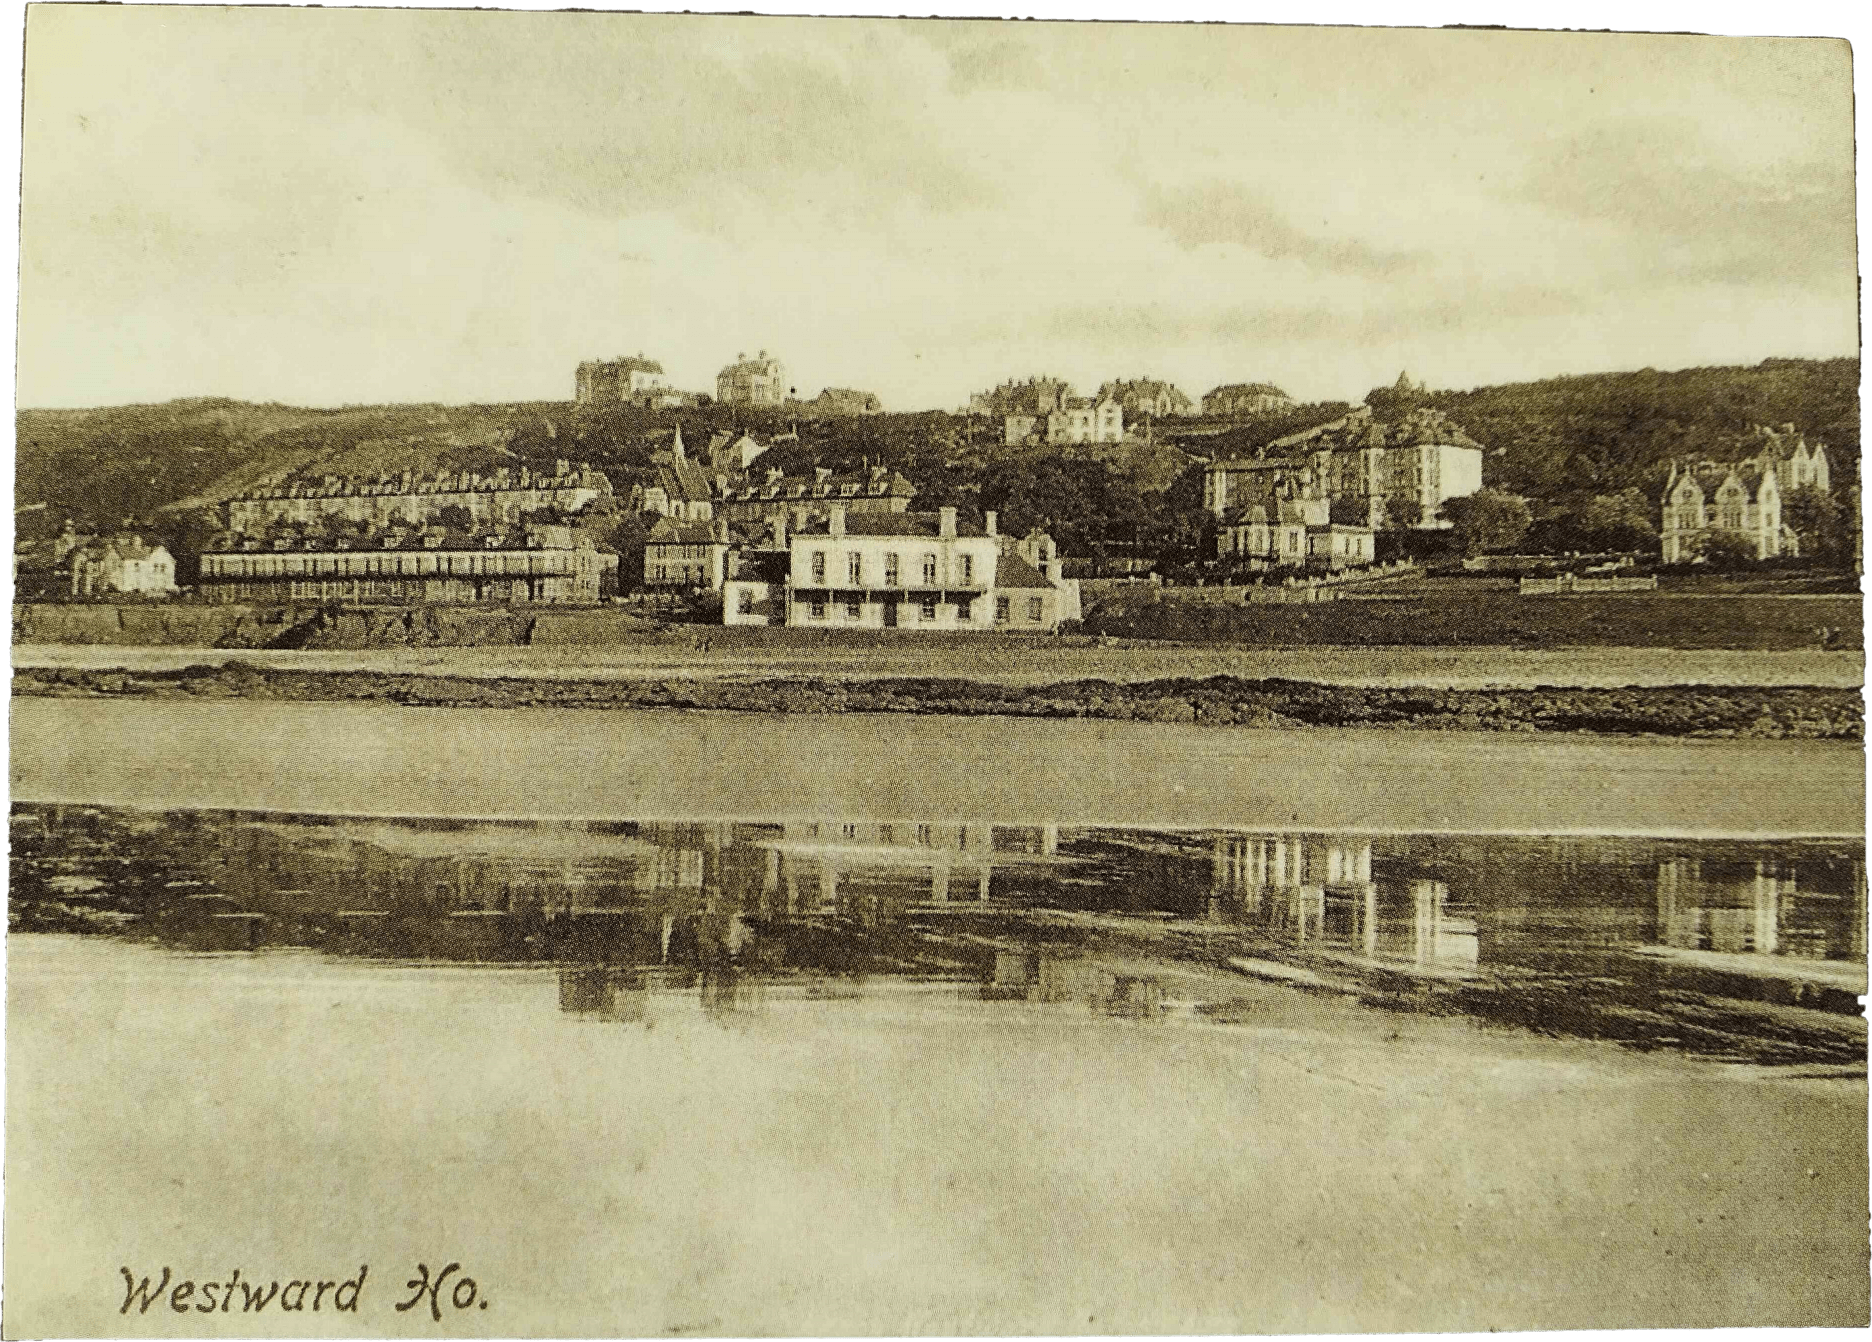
pixel 1724 949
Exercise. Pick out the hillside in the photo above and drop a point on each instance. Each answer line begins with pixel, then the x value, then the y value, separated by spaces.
pixel 1556 439
pixel 1603 432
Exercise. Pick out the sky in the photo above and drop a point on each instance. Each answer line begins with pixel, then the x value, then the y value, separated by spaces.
pixel 328 206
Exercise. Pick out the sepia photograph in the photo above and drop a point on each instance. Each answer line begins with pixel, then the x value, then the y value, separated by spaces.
pixel 744 676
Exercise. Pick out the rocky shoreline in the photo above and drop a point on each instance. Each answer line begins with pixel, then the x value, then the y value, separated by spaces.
pixel 1812 713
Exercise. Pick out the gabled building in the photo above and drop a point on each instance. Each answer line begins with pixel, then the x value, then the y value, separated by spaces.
pixel 1244 400
pixel 730 453
pixel 1797 464
pixel 678 487
pixel 1741 499
pixel 122 565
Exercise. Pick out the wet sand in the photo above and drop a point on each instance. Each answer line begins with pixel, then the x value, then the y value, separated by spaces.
pixel 911 1160
pixel 1024 662
pixel 369 758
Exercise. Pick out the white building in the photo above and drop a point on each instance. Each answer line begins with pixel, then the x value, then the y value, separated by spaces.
pixel 883 570
pixel 122 565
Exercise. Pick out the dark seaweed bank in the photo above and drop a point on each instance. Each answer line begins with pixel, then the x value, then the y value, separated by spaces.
pixel 1809 713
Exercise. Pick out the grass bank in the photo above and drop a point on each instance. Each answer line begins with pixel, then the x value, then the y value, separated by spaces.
pixel 1476 613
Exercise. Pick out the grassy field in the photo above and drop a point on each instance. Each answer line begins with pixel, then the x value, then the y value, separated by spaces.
pixel 1482 613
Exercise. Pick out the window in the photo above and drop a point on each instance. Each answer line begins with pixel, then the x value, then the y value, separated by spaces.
pixel 818 568
pixel 1001 610
pixel 929 570
pixel 890 570
pixel 1035 609
pixel 965 612
pixel 854 610
pixel 855 566
pixel 817 610
pixel 929 609
pixel 968 568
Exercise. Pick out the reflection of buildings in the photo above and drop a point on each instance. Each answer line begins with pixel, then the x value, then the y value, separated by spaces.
pixel 1757 907
pixel 1316 892
pixel 1054 977
pixel 914 862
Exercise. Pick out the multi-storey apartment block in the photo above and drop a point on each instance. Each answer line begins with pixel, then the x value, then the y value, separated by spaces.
pixel 1394 474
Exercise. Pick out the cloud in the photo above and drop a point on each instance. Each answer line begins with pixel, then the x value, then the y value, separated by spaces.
pixel 1229 213
pixel 621 117
pixel 1686 215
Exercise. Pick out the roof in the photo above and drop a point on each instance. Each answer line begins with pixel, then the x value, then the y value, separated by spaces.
pixel 125 547
pixel 683 480
pixel 628 364
pixel 669 531
pixel 1248 389
pixel 868 523
pixel 1015 574
pixel 769 566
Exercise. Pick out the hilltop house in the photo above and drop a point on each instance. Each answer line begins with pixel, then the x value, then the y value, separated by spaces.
pixel 1246 399
pixel 759 381
pixel 1381 474
pixel 122 565
pixel 629 380
pixel 1138 397
pixel 882 570
pixel 844 401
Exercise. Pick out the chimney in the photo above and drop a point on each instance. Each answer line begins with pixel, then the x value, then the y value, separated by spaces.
pixel 988 522
pixel 836 518
pixel 721 530
pixel 947 521
pixel 780 532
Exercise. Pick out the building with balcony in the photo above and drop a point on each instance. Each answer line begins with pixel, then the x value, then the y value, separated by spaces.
pixel 537 563
pixel 884 570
